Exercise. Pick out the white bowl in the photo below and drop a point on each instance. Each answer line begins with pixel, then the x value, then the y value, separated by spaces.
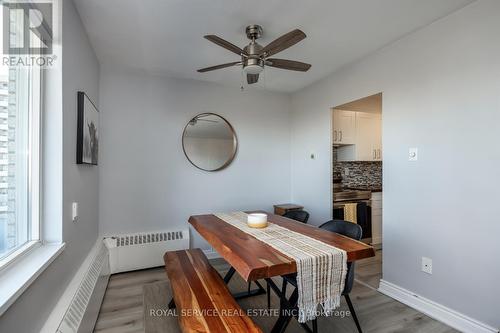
pixel 257 220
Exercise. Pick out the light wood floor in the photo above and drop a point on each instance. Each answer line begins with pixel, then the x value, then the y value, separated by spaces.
pixel 122 308
pixel 369 271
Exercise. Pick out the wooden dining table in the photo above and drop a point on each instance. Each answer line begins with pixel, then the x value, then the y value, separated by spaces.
pixel 253 259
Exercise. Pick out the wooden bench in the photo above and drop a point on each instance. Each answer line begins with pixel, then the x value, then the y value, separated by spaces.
pixel 202 299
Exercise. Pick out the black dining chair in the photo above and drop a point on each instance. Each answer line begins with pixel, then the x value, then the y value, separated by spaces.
pixel 347 229
pixel 297 215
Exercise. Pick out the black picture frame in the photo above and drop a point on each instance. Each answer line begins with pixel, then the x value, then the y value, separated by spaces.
pixel 87 140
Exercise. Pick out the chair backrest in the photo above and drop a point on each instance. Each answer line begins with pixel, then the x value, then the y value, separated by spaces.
pixel 351 230
pixel 297 215
pixel 348 229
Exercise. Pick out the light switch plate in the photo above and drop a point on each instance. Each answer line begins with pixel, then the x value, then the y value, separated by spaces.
pixel 74 211
pixel 413 154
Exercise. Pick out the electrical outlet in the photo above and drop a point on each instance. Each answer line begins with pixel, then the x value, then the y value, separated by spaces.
pixel 427 265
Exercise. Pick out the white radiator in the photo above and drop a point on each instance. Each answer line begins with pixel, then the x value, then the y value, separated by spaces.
pixel 143 250
pixel 78 307
pixel 83 309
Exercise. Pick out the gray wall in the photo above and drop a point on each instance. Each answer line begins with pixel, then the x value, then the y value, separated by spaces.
pixel 80 72
pixel 441 94
pixel 147 184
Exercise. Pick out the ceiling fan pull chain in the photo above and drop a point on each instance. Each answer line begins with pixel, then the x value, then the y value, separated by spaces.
pixel 242 81
pixel 264 81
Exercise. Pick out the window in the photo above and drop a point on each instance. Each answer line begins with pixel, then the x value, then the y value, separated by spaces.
pixel 19 153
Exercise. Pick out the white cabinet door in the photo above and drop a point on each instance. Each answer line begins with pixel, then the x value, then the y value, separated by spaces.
pixel 365 137
pixel 344 127
pixel 377 146
pixel 368 137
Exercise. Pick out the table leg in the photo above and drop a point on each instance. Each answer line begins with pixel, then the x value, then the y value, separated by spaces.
pixel 171 304
pixel 229 275
pixel 250 293
pixel 286 312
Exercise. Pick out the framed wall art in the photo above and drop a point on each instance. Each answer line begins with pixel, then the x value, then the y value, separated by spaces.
pixel 87 143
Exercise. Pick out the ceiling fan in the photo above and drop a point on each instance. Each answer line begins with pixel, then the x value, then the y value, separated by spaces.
pixel 254 57
pixel 193 121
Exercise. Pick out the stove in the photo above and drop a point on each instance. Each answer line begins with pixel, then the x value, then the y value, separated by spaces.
pixel 351 195
pixel 364 219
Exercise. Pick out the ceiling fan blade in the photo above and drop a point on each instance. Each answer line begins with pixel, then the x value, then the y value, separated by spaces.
pixel 288 64
pixel 283 42
pixel 252 78
pixel 229 64
pixel 225 44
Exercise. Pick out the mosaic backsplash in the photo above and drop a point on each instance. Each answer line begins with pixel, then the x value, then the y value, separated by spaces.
pixel 360 173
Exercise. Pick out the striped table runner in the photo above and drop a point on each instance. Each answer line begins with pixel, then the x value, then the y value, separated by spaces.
pixel 321 268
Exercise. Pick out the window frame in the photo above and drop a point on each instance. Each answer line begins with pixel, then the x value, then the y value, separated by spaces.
pixel 34 85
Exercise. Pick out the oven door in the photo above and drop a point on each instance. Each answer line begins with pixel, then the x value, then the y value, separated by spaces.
pixel 364 216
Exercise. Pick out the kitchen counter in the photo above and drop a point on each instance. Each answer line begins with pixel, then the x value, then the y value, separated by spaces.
pixel 365 188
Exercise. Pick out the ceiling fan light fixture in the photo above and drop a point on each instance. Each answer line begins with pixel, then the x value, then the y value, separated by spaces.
pixel 253 69
pixel 253 66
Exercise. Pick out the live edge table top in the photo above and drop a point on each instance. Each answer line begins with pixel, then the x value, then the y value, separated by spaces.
pixel 254 259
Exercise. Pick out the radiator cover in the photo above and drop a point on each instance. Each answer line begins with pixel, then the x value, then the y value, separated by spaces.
pixel 143 250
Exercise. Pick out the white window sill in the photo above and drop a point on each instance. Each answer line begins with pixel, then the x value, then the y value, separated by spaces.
pixel 19 275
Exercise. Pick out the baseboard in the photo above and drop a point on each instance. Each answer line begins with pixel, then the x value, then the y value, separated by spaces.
pixel 437 311
pixel 376 240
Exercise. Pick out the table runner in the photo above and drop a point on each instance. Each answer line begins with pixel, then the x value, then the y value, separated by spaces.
pixel 321 268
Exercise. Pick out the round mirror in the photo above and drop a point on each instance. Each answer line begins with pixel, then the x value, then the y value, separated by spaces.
pixel 209 142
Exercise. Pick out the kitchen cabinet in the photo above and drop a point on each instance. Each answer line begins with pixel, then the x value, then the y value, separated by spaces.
pixel 367 144
pixel 368 137
pixel 376 203
pixel 344 127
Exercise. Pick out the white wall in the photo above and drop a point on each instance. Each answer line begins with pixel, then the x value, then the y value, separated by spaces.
pixel 146 182
pixel 208 153
pixel 441 90
pixel 80 71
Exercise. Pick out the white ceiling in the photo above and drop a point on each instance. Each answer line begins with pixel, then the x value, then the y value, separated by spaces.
pixel 370 104
pixel 164 37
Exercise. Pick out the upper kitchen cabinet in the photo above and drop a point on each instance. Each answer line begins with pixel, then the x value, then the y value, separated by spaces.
pixel 368 137
pixel 344 127
pixel 367 145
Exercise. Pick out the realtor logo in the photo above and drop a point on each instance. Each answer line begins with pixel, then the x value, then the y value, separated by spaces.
pixel 27 28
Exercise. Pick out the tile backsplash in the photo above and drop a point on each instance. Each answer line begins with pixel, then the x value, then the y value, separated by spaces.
pixel 358 173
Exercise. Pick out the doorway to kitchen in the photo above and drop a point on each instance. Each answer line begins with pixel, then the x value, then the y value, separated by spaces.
pixel 357 175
